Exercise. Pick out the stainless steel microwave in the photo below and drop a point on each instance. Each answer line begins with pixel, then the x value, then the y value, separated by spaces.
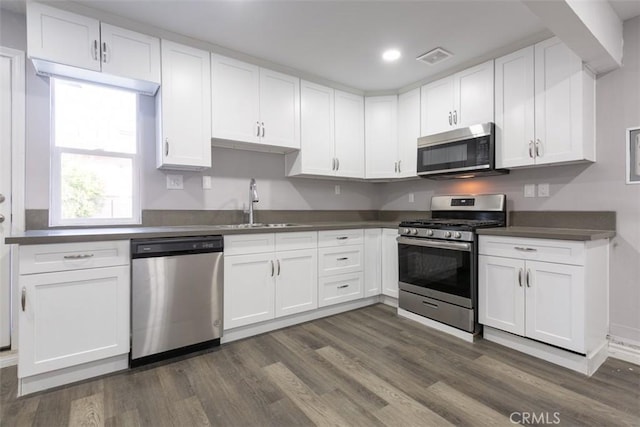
pixel 460 153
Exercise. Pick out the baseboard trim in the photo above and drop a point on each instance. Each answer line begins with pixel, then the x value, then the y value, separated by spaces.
pixel 8 358
pixel 624 351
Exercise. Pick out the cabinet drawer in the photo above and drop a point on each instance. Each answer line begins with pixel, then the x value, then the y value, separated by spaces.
pixel 72 256
pixel 332 261
pixel 296 240
pixel 337 289
pixel 340 238
pixel 242 244
pixel 557 251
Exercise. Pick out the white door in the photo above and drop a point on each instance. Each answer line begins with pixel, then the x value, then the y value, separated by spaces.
pixel 437 106
pixel 296 281
pixel 408 132
pixel 514 109
pixel 474 96
pixel 390 275
pixel 317 128
pixel 349 134
pixel 279 109
pixel 12 63
pixel 235 87
pixel 555 304
pixel 129 54
pixel 381 136
pixel 249 282
pixel 501 293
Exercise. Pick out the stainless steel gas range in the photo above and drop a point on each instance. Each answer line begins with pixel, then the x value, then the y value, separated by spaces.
pixel 438 258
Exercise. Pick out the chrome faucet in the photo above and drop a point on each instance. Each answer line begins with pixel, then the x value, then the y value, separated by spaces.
pixel 253 198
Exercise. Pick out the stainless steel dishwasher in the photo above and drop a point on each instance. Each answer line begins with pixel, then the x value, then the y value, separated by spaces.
pixel 176 296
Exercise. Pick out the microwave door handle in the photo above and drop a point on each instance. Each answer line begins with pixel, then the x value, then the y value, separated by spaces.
pixel 427 243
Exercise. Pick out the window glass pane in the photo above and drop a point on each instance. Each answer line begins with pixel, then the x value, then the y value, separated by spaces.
pixel 93 117
pixel 96 187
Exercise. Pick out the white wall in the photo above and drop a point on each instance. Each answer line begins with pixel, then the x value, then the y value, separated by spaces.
pixel 598 186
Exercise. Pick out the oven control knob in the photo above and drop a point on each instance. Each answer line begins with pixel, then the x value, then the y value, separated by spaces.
pixel 405 231
pixel 447 234
pixel 429 232
pixel 457 235
pixel 414 231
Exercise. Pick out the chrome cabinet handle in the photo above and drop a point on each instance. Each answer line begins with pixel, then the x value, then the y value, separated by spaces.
pixel 81 256
pixel 258 129
pixel 537 145
pixel 531 149
pixel 395 167
pixel 166 146
pixel 520 277
pixel 273 268
pixel 455 117
pixel 2 198
pixel 528 278
pixel 23 299
pixel 104 52
pixel 399 166
pixel 520 248
pixel 1 218
pixel 450 120
pixel 344 258
pixel 262 129
pixel 95 50
pixel 337 163
pixel 342 238
pixel 333 164
pixel 343 286
pixel 278 261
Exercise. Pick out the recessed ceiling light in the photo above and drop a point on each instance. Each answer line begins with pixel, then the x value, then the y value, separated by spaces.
pixel 391 55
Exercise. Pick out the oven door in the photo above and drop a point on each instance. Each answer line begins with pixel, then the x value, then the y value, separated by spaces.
pixel 438 269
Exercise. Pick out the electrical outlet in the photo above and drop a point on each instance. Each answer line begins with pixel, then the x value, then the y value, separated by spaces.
pixel 412 198
pixel 529 190
pixel 206 182
pixel 337 189
pixel 543 190
pixel 175 182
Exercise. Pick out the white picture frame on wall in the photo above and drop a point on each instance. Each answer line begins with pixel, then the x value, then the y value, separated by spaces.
pixel 633 155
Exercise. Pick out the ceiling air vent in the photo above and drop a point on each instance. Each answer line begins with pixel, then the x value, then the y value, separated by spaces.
pixel 434 56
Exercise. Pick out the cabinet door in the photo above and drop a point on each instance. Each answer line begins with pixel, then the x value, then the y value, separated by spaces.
pixel 473 89
pixel 349 135
pixel 558 102
pixel 279 109
pixel 63 37
pixel 51 335
pixel 408 132
pixel 437 106
pixel 372 262
pixel 129 54
pixel 317 125
pixel 555 304
pixel 381 136
pixel 234 98
pixel 514 99
pixel 501 293
pixel 185 104
pixel 249 285
pixel 390 262
pixel 296 282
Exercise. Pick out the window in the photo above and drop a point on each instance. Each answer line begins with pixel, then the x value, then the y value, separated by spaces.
pixel 94 162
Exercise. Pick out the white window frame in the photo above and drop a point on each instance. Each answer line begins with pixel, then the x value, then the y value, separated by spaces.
pixel 55 198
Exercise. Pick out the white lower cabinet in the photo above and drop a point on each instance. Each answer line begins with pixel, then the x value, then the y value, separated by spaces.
pixel 75 313
pixel 524 292
pixel 269 283
pixel 390 262
pixel 340 288
pixel 372 262
pixel 340 266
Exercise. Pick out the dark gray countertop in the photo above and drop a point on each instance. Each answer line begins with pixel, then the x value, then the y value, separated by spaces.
pixel 34 237
pixel 549 233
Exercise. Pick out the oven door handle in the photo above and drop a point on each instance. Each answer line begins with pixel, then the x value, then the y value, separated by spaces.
pixel 428 243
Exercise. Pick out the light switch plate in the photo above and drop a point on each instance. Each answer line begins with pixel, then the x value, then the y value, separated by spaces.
pixel 175 182
pixel 543 190
pixel 206 182
pixel 529 190
pixel 412 198
pixel 337 189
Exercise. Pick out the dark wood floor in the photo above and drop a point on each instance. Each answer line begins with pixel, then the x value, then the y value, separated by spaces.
pixel 363 368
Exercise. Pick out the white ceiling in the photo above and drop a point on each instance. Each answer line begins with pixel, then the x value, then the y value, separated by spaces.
pixel 342 41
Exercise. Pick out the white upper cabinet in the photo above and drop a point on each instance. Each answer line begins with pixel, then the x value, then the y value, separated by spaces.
pixel 544 107
pixel 254 108
pixel 332 142
pixel 67 44
pixel 408 132
pixel 460 100
pixel 381 136
pixel 183 109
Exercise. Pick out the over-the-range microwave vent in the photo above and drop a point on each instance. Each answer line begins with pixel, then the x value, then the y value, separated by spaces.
pixel 434 56
pixel 466 175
